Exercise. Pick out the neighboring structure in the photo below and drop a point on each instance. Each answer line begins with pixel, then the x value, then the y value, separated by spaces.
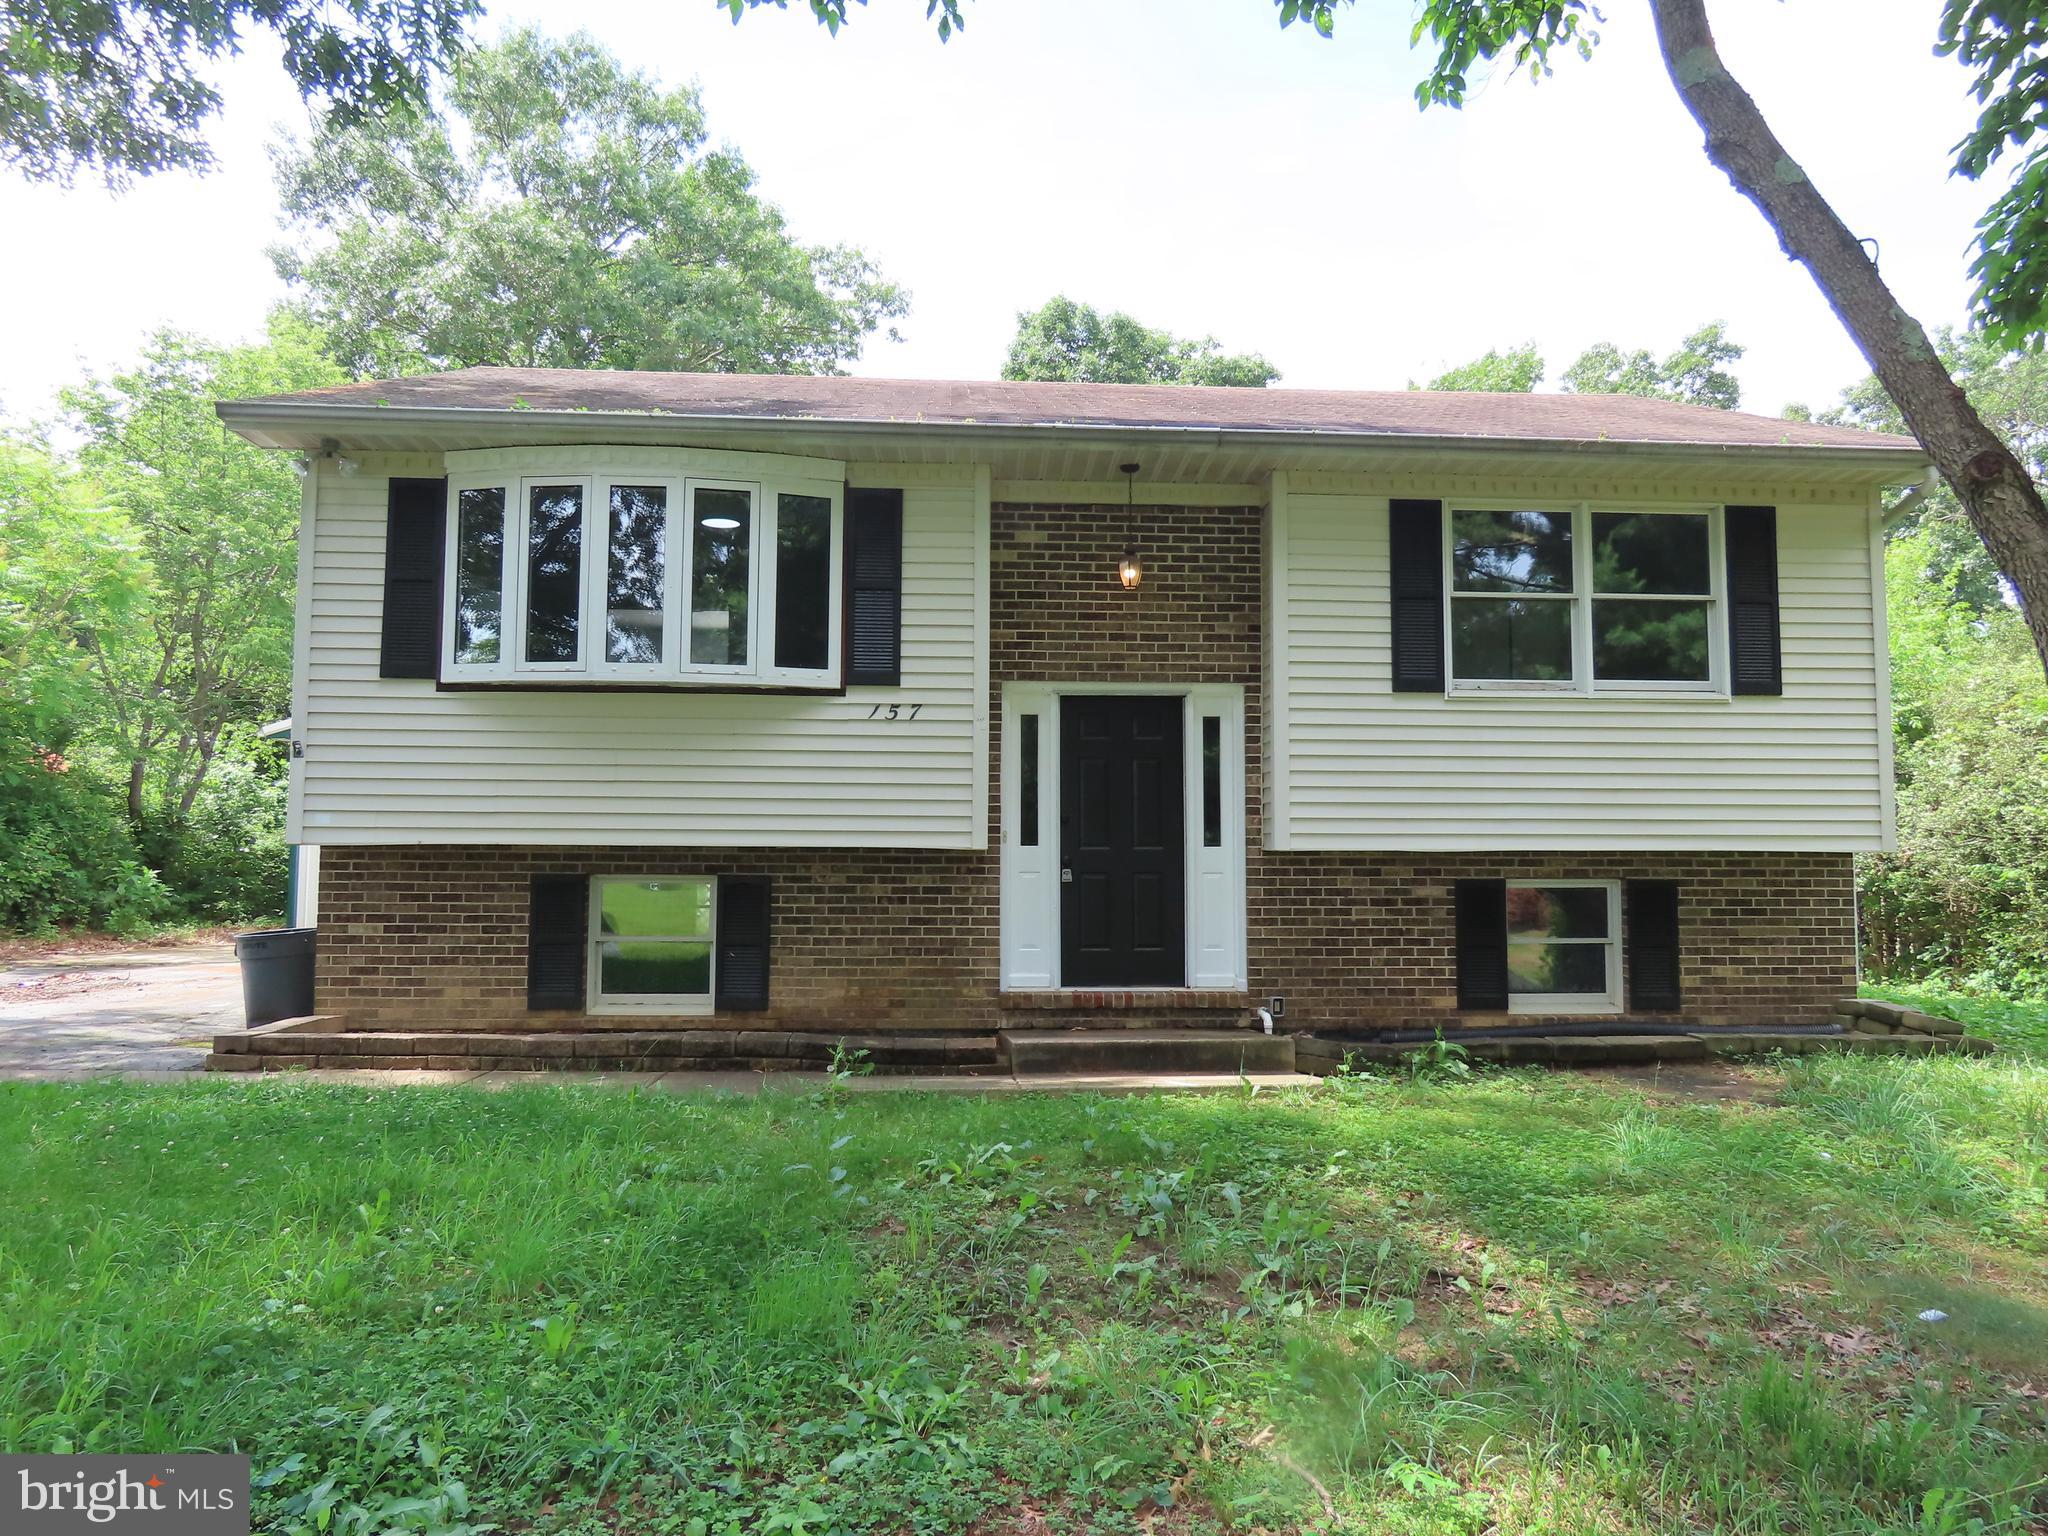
pixel 627 697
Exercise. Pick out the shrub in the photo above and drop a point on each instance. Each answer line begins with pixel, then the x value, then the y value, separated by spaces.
pixel 229 861
pixel 66 854
pixel 1965 897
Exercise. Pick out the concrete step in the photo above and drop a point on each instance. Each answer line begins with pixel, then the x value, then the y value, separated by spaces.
pixel 1032 1052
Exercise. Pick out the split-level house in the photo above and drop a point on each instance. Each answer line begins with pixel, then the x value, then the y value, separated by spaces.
pixel 626 699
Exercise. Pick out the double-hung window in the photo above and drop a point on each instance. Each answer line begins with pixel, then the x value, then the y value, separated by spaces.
pixel 653 944
pixel 1564 945
pixel 635 578
pixel 1583 599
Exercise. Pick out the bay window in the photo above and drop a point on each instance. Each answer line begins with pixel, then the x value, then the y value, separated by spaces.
pixel 631 577
pixel 1580 599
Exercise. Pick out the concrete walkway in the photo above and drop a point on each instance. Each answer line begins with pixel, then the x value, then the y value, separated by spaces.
pixel 134 1011
pixel 148 1015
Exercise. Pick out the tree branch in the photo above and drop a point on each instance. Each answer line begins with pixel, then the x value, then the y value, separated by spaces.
pixel 2002 500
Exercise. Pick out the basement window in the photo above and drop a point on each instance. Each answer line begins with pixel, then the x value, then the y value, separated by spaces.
pixel 636 578
pixel 1564 946
pixel 652 944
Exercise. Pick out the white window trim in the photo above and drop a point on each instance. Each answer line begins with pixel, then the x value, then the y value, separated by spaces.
pixel 674 669
pixel 520 524
pixel 1582 684
pixel 681 1003
pixel 1608 1001
pixel 450 575
pixel 600 580
pixel 685 575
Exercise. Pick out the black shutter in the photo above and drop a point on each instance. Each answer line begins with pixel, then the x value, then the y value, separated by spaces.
pixel 874 587
pixel 1652 946
pixel 743 902
pixel 557 934
pixel 1415 571
pixel 1754 661
pixel 1482 945
pixel 415 514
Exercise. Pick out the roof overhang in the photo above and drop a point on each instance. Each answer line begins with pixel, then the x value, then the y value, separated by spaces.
pixel 1077 451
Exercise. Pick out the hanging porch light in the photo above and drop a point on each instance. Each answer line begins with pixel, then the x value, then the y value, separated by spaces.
pixel 1129 569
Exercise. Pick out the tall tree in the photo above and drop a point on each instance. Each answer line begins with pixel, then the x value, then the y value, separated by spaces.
pixel 2002 40
pixel 1516 371
pixel 1067 341
pixel 1693 374
pixel 218 520
pixel 71 570
pixel 2009 390
pixel 114 88
pixel 562 211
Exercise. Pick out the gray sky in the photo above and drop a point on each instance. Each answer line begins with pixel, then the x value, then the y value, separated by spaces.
pixel 1184 160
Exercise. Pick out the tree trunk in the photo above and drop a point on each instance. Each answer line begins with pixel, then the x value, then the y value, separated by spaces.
pixel 2002 500
pixel 138 771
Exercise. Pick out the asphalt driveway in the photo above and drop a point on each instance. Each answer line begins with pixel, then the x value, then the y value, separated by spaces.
pixel 145 1010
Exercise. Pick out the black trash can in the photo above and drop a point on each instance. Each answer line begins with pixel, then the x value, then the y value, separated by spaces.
pixel 277 974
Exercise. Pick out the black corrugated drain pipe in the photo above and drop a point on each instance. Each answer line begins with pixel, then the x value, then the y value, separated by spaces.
pixel 1618 1027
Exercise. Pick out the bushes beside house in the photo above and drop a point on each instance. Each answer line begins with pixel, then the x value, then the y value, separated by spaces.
pixel 1964 900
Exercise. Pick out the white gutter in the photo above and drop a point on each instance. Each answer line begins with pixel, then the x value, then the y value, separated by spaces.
pixel 247 416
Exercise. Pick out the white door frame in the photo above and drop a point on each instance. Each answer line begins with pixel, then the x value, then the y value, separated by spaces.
pixel 1213 884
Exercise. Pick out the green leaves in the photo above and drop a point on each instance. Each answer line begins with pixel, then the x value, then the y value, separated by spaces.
pixel 1071 342
pixel 831 14
pixel 564 212
pixel 1692 375
pixel 119 90
pixel 1516 371
pixel 2004 43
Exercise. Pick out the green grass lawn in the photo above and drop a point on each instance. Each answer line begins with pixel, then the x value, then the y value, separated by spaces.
pixel 1514 1303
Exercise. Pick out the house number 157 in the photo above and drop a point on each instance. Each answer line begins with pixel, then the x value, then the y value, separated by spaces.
pixel 894 711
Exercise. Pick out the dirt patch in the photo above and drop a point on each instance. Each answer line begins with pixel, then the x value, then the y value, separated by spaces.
pixel 59 948
pixel 1723 1082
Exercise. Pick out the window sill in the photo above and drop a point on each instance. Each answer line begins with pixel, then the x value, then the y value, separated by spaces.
pixel 664 1010
pixel 1494 694
pixel 1563 1007
pixel 581 684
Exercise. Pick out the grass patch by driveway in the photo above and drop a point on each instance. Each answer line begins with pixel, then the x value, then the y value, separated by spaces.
pixel 1514 1303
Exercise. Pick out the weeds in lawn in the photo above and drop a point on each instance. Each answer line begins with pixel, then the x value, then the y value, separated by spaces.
pixel 1454 1304
pixel 1439 1061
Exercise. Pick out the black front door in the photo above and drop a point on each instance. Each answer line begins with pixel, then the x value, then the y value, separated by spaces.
pixel 1123 843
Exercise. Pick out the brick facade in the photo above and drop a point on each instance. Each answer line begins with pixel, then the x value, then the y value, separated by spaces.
pixel 435 937
pixel 872 939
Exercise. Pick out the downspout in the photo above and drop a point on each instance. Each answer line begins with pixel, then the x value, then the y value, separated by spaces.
pixel 1895 514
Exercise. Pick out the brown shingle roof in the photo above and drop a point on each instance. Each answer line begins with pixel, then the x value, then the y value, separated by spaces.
pixel 933 402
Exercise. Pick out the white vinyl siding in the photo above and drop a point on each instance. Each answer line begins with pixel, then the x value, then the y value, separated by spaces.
pixel 1362 767
pixel 390 761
